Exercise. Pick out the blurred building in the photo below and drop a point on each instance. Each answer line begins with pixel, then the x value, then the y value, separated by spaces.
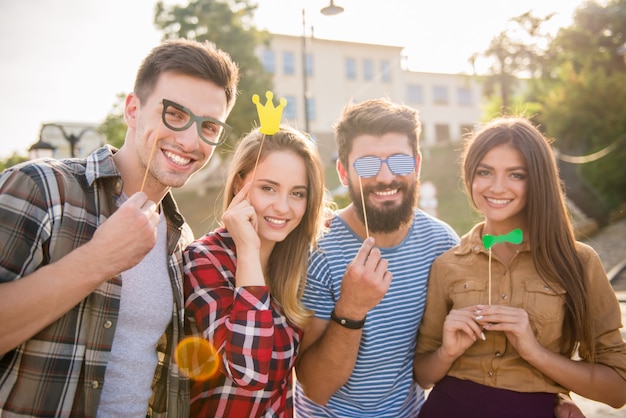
pixel 84 137
pixel 330 74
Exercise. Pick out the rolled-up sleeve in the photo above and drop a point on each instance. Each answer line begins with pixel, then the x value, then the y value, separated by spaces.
pixel 605 313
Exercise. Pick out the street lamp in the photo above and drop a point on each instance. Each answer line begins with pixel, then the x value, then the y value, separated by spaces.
pixel 71 138
pixel 305 87
pixel 41 149
pixel 329 10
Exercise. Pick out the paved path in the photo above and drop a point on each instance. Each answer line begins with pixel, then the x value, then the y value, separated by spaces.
pixel 610 243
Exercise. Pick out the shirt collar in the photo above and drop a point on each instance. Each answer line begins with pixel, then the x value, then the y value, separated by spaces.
pixel 100 164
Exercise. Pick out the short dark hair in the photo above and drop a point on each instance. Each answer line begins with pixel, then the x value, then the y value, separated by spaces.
pixel 201 60
pixel 376 117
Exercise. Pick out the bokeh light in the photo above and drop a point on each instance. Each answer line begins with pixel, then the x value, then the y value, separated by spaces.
pixel 196 358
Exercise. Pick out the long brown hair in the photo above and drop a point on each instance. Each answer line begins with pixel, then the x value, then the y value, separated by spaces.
pixel 550 232
pixel 288 262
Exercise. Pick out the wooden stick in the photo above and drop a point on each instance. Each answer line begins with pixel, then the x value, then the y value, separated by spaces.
pixel 156 139
pixel 489 276
pixel 256 163
pixel 367 232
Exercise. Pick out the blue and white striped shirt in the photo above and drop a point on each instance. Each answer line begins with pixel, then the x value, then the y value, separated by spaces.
pixel 382 382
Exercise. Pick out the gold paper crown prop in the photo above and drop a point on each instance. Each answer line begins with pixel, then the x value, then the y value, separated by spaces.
pixel 269 115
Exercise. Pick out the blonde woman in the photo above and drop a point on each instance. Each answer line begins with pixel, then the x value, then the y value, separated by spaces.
pixel 244 280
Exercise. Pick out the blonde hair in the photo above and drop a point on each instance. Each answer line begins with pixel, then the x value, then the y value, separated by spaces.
pixel 288 262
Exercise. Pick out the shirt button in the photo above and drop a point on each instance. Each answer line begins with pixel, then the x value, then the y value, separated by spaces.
pixel 95 384
pixel 108 324
pixel 477 248
pixel 465 286
pixel 498 354
pixel 505 296
pixel 546 288
pixel 490 374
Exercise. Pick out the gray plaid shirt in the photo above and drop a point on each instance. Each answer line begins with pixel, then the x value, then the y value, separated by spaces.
pixel 47 209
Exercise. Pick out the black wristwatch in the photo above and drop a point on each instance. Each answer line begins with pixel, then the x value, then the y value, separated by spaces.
pixel 347 323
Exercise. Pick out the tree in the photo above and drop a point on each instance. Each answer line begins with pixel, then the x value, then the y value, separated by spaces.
pixel 593 39
pixel 12 160
pixel 586 114
pixel 114 126
pixel 575 86
pixel 228 25
pixel 583 108
pixel 518 52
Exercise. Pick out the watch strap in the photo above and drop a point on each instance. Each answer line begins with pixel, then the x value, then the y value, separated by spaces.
pixel 347 323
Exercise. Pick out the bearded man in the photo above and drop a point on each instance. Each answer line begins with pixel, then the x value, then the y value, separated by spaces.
pixel 367 281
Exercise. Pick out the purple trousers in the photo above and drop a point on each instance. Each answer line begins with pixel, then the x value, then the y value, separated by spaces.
pixel 452 397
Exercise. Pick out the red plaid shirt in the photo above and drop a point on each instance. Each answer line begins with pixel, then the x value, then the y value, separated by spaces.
pixel 256 344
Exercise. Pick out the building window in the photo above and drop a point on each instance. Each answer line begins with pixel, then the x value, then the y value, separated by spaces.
pixel 442 132
pixel 308 59
pixel 465 96
pixel 414 94
pixel 385 71
pixel 289 63
pixel 440 95
pixel 289 112
pixel 368 69
pixel 350 69
pixel 267 59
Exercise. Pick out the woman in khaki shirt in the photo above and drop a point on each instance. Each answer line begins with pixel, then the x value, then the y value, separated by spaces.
pixel 553 322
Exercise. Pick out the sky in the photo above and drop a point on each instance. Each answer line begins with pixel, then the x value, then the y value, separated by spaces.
pixel 66 60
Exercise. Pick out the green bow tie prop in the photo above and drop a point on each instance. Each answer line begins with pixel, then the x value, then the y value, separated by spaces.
pixel 514 237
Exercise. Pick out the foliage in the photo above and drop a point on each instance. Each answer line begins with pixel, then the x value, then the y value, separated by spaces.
pixel 515 52
pixel 114 126
pixel 228 25
pixel 593 39
pixel 12 160
pixel 587 114
pixel 519 105
pixel 584 106
pixel 575 89
pixel 440 165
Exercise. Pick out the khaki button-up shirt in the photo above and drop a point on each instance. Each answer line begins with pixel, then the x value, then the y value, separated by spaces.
pixel 459 278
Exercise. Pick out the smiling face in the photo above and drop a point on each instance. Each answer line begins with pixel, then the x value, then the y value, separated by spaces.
pixel 176 154
pixel 279 195
pixel 499 189
pixel 389 198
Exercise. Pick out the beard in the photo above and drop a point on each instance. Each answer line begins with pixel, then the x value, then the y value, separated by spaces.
pixel 388 217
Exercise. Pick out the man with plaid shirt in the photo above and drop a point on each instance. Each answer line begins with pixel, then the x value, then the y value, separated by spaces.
pixel 91 301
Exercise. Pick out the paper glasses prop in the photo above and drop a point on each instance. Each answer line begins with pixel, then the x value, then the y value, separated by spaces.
pixel 370 165
pixel 178 118
pixel 514 237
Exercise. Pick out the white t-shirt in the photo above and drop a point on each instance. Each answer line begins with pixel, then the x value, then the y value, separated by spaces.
pixel 145 311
